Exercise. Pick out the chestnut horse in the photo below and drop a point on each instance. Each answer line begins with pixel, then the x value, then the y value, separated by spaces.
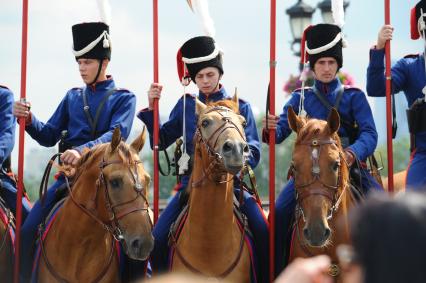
pixel 398 182
pixel 107 203
pixel 322 189
pixel 211 242
pixel 6 244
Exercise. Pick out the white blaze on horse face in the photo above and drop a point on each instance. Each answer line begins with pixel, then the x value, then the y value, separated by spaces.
pixel 315 164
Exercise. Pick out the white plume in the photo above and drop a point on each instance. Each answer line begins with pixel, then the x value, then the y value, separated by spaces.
pixel 105 11
pixel 337 7
pixel 202 9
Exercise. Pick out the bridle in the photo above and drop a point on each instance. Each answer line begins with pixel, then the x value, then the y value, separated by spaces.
pixel 331 192
pixel 327 190
pixel 8 225
pixel 207 142
pixel 217 160
pixel 112 226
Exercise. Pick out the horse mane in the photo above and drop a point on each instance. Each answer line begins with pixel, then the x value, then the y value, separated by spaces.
pixel 93 154
pixel 228 103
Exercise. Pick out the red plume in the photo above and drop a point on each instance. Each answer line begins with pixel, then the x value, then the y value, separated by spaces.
pixel 414 25
pixel 303 54
pixel 183 74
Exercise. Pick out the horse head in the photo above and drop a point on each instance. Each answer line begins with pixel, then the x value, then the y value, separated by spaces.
pixel 320 175
pixel 120 201
pixel 220 128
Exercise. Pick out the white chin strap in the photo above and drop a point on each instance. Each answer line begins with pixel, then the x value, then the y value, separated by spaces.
pixel 106 44
pixel 209 57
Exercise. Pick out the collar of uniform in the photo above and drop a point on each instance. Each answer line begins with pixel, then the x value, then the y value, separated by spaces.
pixel 218 95
pixel 103 85
pixel 330 87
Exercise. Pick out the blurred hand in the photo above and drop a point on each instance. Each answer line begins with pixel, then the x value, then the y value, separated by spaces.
pixel 385 34
pixel 70 157
pixel 154 92
pixel 22 110
pixel 307 270
pixel 272 122
pixel 350 157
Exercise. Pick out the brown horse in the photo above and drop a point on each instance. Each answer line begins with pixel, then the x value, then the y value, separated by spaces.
pixel 107 203
pixel 398 182
pixel 6 245
pixel 322 188
pixel 211 242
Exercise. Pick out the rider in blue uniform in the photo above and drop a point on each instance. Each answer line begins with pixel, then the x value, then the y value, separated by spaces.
pixel 203 61
pixel 89 115
pixel 408 75
pixel 357 129
pixel 7 141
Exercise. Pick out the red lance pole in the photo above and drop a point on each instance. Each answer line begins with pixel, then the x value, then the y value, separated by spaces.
pixel 272 64
pixel 21 140
pixel 388 102
pixel 156 113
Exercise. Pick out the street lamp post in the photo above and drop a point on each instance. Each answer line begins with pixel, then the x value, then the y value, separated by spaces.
pixel 300 18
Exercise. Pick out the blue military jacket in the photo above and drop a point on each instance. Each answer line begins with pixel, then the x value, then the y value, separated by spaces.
pixel 353 107
pixel 7 124
pixel 408 75
pixel 118 110
pixel 172 129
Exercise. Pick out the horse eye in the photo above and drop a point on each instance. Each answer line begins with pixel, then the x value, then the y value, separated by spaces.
pixel 205 123
pixel 115 183
pixel 336 165
pixel 244 124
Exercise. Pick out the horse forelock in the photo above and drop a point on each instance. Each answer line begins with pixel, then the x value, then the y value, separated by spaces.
pixel 228 103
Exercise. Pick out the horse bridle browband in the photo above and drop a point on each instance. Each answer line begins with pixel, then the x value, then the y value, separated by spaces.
pixel 327 190
pixel 217 158
pixel 113 227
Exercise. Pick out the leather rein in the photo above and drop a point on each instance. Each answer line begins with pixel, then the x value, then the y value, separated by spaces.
pixel 112 226
pixel 217 160
pixel 9 224
pixel 327 190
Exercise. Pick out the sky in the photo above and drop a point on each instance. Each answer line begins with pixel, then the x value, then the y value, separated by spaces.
pixel 242 31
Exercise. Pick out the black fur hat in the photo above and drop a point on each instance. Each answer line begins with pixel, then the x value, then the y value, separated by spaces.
pixel 91 41
pixel 201 52
pixel 324 40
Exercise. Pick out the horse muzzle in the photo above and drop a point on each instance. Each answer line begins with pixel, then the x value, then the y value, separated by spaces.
pixel 317 235
pixel 234 154
pixel 139 248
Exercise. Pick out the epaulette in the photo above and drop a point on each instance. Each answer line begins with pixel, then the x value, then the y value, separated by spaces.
pixel 189 95
pixel 348 87
pixel 300 89
pixel 2 86
pixel 77 88
pixel 412 55
pixel 122 89
pixel 242 100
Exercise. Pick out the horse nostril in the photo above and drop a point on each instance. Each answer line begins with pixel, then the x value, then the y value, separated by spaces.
pixel 228 146
pixel 136 244
pixel 306 233
pixel 246 148
pixel 327 233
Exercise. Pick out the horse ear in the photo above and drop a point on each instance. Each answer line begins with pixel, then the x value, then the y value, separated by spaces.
pixel 199 107
pixel 139 142
pixel 294 121
pixel 333 121
pixel 116 139
pixel 236 100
